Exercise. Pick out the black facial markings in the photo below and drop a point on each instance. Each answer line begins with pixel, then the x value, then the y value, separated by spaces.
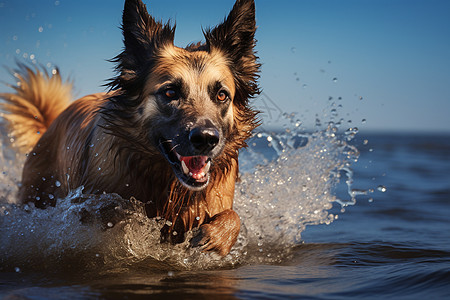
pixel 170 95
pixel 214 90
pixel 224 111
pixel 172 90
pixel 176 91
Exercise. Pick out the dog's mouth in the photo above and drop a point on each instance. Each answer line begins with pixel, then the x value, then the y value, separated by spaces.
pixel 191 171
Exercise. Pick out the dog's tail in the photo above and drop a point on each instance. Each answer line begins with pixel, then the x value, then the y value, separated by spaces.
pixel 38 99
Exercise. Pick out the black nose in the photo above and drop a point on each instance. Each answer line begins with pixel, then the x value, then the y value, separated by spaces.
pixel 204 139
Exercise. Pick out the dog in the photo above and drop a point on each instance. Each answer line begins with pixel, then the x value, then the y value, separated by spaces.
pixel 167 132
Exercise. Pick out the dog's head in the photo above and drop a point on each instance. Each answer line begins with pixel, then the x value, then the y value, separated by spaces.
pixel 190 105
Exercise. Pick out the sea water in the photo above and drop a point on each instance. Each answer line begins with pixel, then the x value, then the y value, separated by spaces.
pixel 301 233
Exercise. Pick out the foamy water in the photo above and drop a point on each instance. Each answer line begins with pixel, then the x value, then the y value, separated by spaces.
pixel 288 181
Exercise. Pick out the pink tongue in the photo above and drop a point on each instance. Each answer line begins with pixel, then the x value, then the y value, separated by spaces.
pixel 195 164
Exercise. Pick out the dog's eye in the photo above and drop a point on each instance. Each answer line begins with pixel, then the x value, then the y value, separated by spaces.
pixel 222 96
pixel 171 94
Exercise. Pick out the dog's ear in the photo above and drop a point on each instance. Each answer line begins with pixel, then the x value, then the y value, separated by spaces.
pixel 140 30
pixel 142 36
pixel 236 38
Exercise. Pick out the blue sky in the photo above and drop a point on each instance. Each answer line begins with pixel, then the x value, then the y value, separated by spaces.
pixel 387 60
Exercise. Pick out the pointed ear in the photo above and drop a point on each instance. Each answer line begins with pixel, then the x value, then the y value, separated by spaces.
pixel 236 38
pixel 140 30
pixel 142 37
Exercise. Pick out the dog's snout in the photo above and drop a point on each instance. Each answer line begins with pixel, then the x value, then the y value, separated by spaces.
pixel 204 139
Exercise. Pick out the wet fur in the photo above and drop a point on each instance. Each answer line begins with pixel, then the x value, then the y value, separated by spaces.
pixel 109 142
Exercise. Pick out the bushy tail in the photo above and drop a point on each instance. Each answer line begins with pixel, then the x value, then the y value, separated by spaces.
pixel 38 99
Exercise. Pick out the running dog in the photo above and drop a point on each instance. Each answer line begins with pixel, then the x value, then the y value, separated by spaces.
pixel 168 131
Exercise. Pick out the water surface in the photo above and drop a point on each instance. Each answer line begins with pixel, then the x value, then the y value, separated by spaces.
pixel 324 216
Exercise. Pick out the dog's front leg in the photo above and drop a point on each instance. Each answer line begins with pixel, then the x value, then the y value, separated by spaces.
pixel 220 233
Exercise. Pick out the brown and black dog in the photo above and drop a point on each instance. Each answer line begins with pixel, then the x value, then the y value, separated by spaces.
pixel 167 133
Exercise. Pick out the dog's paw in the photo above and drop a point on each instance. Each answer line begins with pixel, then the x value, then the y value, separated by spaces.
pixel 219 235
pixel 209 238
pixel 106 210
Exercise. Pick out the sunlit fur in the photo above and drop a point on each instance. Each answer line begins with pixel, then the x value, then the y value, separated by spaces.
pixel 38 99
pixel 110 142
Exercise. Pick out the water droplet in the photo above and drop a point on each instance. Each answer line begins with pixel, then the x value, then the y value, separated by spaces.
pixel 110 224
pixel 96 154
pixel 365 142
pixel 99 169
pixel 91 145
pixel 382 188
pixel 293 49
pixel 174 232
pixel 43 179
pixel 361 98
pixel 363 121
pixel 168 223
pixel 51 197
pixel 67 147
pixel 170 273
pixel 17 269
pixel 57 183
pixel 40 29
pixel 335 79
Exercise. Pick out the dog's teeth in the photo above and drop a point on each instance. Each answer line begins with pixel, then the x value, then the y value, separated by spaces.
pixel 184 167
pixel 178 155
pixel 206 168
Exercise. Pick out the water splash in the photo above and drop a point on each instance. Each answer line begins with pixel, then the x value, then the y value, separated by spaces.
pixel 288 182
pixel 11 164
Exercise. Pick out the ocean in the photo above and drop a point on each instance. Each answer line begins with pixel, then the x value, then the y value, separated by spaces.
pixel 326 215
